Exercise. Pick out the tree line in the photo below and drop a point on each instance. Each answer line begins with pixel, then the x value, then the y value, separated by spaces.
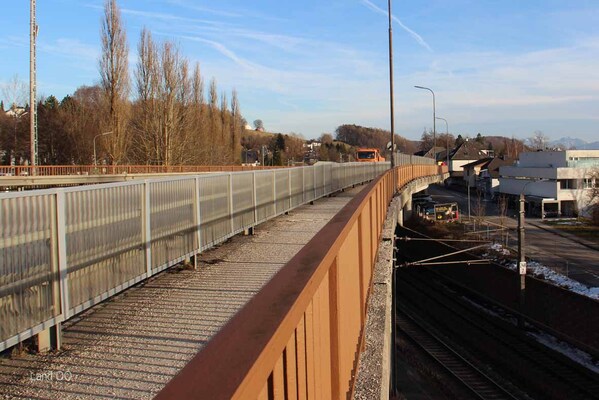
pixel 163 114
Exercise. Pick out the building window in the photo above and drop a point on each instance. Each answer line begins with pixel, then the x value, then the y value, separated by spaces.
pixel 567 184
pixel 590 183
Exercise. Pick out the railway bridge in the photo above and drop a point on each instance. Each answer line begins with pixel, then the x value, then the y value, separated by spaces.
pixel 291 308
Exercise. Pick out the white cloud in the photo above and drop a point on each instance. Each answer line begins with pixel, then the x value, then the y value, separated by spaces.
pixel 72 48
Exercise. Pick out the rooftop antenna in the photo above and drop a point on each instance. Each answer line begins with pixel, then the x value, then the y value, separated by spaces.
pixel 33 28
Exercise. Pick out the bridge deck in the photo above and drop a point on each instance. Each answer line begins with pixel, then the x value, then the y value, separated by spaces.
pixel 133 344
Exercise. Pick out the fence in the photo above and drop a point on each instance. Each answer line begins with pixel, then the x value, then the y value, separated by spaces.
pixel 64 250
pixel 301 335
pixel 59 170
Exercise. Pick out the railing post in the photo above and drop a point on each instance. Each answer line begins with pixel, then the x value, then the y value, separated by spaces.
pixel 255 199
pixel 61 240
pixel 274 191
pixel 324 180
pixel 289 187
pixel 198 217
pixel 231 202
pixel 147 227
pixel 314 180
pixel 303 185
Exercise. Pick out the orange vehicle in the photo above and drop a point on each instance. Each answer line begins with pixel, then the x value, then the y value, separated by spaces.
pixel 369 155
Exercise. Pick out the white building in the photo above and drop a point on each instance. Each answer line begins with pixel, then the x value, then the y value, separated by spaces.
pixel 553 182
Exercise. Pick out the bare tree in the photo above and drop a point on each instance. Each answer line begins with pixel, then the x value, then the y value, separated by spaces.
pixel 146 122
pixel 80 118
pixel 15 92
pixel 214 123
pixel 426 140
pixel 236 128
pixel 538 140
pixel 479 209
pixel 259 125
pixel 592 183
pixel 225 133
pixel 114 74
pixel 169 111
pixel 198 116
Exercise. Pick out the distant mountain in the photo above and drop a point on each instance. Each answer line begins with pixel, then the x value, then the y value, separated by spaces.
pixel 574 143
pixel 568 143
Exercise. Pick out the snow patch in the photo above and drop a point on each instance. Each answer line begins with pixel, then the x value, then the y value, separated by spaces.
pixel 566 349
pixel 500 249
pixel 539 270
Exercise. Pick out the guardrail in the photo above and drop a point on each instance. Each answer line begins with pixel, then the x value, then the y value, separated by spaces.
pixel 63 250
pixel 301 335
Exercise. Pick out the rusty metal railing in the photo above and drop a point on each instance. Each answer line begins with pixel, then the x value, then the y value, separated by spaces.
pixel 59 170
pixel 301 335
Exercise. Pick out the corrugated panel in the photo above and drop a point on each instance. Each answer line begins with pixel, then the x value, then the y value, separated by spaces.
pixel 243 200
pixel 26 285
pixel 172 221
pixel 297 189
pixel 282 190
pixel 336 177
pixel 328 178
pixel 215 222
pixel 265 195
pixel 103 239
pixel 308 183
pixel 318 180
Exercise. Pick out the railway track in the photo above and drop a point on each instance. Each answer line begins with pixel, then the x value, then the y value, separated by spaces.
pixel 475 380
pixel 485 341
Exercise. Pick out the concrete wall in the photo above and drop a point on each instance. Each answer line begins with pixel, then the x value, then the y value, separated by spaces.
pixel 543 159
pixel 523 172
pixel 457 165
pixel 547 189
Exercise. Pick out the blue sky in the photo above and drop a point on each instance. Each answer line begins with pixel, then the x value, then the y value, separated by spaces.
pixel 505 67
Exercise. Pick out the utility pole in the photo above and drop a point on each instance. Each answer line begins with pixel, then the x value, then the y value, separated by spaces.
pixel 32 87
pixel 521 260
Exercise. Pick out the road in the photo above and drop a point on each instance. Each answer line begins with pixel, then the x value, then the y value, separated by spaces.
pixel 561 254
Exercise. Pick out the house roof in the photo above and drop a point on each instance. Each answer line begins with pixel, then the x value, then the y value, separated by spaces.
pixel 430 152
pixel 490 164
pixel 469 150
pixel 483 162
pixel 493 166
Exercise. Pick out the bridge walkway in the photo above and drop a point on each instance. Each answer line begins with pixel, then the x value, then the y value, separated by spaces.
pixel 131 345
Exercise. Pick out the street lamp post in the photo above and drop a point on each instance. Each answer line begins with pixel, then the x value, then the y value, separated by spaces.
pixel 95 137
pixel 446 139
pixel 391 89
pixel 434 118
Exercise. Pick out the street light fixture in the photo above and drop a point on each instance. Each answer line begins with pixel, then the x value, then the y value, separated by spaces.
pixel 434 119
pixel 95 137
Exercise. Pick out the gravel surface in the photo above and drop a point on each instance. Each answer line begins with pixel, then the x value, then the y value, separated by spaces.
pixel 130 346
